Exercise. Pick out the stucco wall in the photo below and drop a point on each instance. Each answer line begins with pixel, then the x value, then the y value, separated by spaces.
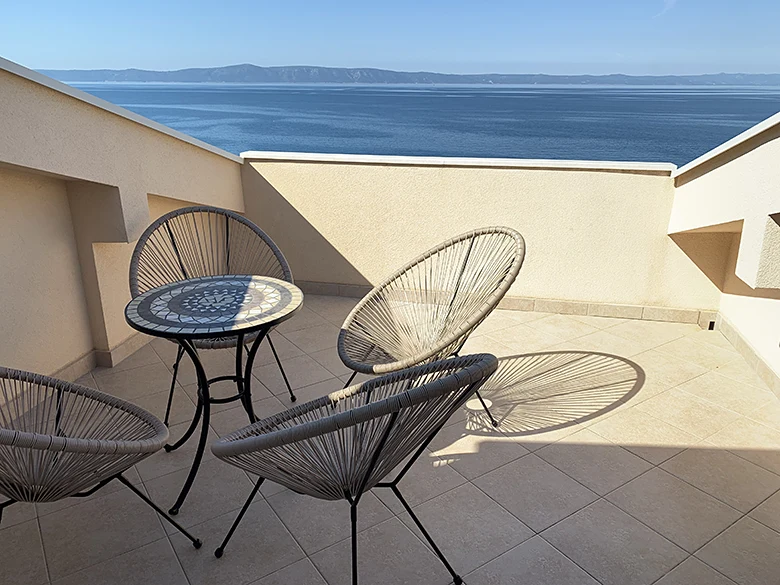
pixel 739 191
pixel 112 163
pixel 44 323
pixel 592 235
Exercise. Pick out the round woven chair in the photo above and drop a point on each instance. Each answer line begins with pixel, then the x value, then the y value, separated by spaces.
pixel 205 241
pixel 60 440
pixel 426 310
pixel 341 445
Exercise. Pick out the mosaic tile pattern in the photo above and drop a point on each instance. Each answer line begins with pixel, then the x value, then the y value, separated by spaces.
pixel 213 305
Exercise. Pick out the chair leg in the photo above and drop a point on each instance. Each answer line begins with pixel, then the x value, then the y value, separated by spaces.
pixel 195 541
pixel 281 368
pixel 457 580
pixel 352 377
pixel 353 520
pixel 179 355
pixel 493 421
pixel 221 549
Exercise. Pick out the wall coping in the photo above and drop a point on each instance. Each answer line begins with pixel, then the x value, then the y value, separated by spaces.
pixel 732 144
pixel 39 78
pixel 444 161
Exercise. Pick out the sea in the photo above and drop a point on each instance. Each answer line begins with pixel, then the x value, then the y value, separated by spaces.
pixel 619 123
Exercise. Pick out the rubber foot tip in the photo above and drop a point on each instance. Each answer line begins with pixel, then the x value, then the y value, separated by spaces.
pixel 197 544
pixel 168 448
pixel 293 398
pixel 173 511
pixel 495 423
pixel 218 553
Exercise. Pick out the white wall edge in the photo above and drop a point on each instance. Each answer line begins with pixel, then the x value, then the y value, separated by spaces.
pixel 443 161
pixel 39 78
pixel 748 134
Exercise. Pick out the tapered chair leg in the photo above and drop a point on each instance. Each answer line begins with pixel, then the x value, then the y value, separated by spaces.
pixel 195 541
pixel 457 580
pixel 179 355
pixel 281 368
pixel 353 521
pixel 221 549
pixel 352 377
pixel 493 421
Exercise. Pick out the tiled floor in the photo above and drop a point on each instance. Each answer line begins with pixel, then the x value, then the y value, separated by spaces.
pixel 629 452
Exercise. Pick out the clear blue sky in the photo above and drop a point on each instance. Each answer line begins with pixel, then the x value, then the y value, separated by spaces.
pixel 512 36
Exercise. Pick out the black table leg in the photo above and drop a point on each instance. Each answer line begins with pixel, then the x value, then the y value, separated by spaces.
pixel 204 402
pixel 246 397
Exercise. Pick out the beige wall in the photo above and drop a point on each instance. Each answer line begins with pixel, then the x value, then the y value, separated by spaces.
pixel 592 235
pixel 113 166
pixel 738 191
pixel 44 323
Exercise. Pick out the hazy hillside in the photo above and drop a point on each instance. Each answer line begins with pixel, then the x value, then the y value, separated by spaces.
pixel 303 74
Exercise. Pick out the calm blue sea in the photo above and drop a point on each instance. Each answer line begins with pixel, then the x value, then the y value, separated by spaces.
pixel 671 124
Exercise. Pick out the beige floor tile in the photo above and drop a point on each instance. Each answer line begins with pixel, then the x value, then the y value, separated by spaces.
pixel 216 362
pixel 469 527
pixel 687 412
pixel 703 354
pixel 667 371
pixel 311 392
pixel 715 338
pixel 152 563
pixel 486 344
pixel 693 572
pixel 652 333
pixel 426 479
pixel 564 327
pixel 285 349
pixel 225 389
pixel 303 319
pixel 525 339
pixel 182 408
pixel 17 513
pixel 751 440
pixel 140 381
pixel 299 573
pixel 599 322
pixel 87 380
pixel 227 421
pixel 334 309
pixel 21 555
pixel 748 552
pixel 162 463
pixel 768 414
pixel 96 531
pixel 643 435
pixel 768 513
pixel 387 553
pixel 533 440
pixel 604 341
pixel 330 360
pixel 731 479
pixel 594 461
pixel 534 562
pixel 301 371
pixel 497 320
pixel 317 524
pixel 315 338
pixel 143 357
pixel 535 491
pixel 740 371
pixel 165 349
pixel 260 546
pixel 613 547
pixel 219 488
pixel 685 515
pixel 358 379
pixel 728 393
pixel 473 455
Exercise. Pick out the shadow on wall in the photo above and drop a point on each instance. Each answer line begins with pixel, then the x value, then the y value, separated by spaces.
pixel 715 254
pixel 301 243
pixel 547 391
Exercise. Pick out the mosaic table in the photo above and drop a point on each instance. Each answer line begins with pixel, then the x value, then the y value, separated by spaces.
pixel 211 307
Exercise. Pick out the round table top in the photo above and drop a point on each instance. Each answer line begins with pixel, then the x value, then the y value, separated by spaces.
pixel 213 306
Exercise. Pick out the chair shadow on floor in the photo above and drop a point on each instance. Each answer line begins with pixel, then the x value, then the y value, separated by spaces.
pixel 546 391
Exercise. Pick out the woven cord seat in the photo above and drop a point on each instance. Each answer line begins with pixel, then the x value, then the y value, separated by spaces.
pixel 205 241
pixel 60 440
pixel 341 445
pixel 426 310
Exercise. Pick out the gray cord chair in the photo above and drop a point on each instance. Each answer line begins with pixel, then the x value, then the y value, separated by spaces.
pixel 426 310
pixel 61 440
pixel 341 445
pixel 205 241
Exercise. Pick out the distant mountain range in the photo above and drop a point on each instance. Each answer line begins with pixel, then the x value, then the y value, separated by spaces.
pixel 304 74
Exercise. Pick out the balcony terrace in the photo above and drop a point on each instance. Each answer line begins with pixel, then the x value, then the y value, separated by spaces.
pixel 639 364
